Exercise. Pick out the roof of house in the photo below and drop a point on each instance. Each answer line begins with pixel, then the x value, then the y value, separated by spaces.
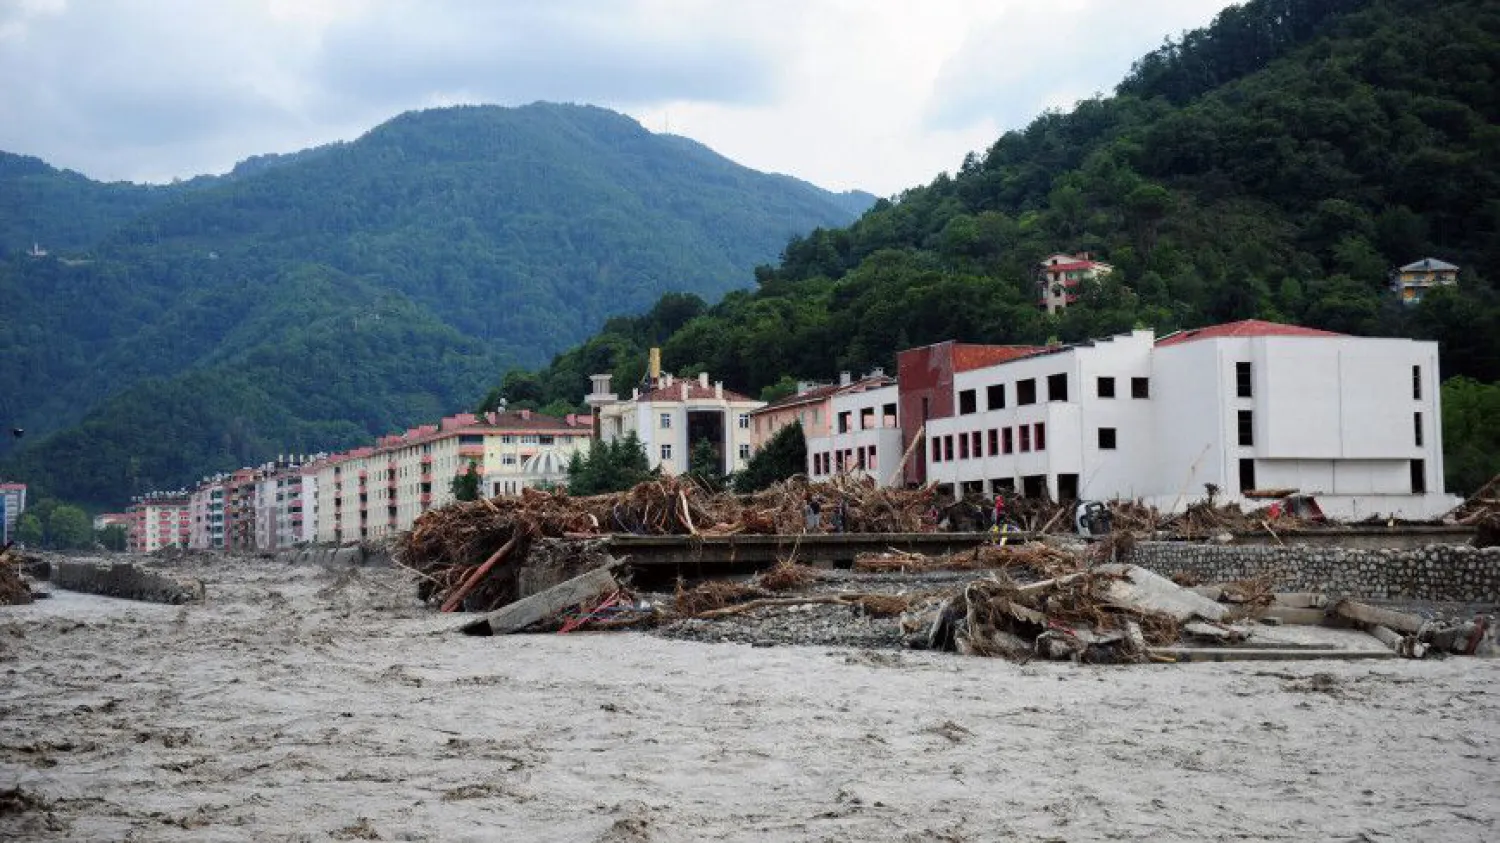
pixel 696 392
pixel 968 356
pixel 1429 265
pixel 1069 267
pixel 1243 328
pixel 828 391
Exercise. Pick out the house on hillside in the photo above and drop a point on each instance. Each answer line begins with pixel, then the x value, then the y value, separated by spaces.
pixel 1061 276
pixel 1412 281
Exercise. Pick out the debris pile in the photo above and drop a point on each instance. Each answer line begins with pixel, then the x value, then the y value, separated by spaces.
pixel 469 555
pixel 1482 511
pixel 13 589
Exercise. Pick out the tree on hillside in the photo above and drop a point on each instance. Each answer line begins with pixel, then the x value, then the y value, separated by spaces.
pixel 782 457
pixel 1471 439
pixel 466 486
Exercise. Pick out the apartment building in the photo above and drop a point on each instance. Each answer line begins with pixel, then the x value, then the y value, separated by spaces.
pixel 864 439
pixel 377 491
pixel 1243 407
pixel 673 415
pixel 158 520
pixel 12 504
pixel 206 514
pixel 239 509
pixel 285 503
pixel 811 405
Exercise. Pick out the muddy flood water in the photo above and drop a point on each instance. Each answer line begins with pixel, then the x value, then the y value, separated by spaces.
pixel 305 704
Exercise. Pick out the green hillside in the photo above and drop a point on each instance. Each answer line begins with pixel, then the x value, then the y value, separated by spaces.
pixel 1276 164
pixel 315 299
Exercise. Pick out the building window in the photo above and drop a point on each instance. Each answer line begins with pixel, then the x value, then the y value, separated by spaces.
pixel 968 402
pixel 1106 387
pixel 547 440
pixel 963 446
pixel 1040 436
pixel 1247 475
pixel 1026 392
pixel 1247 428
pixel 1106 439
pixel 745 452
pixel 976 443
pixel 1419 477
pixel 937 449
pixel 1140 387
pixel 1416 424
pixel 1242 380
pixel 1025 438
pixel 995 396
pixel 666 421
pixel 844 422
pixel 1007 441
pixel 1416 383
pixel 666 452
pixel 870 461
pixel 994 442
pixel 1057 387
pixel 744 421
pixel 948 448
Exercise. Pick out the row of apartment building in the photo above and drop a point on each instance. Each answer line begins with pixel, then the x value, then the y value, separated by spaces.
pixel 1248 407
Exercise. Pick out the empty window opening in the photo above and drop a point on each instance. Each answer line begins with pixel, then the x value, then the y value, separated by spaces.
pixel 1242 380
pixel 1247 475
pixel 1040 436
pixel 1067 487
pixel 1247 428
pixel 1416 383
pixel 1416 424
pixel 1057 387
pixel 1025 438
pixel 1419 477
pixel 1007 441
pixel 1106 439
pixel 968 402
pixel 937 450
pixel 1106 387
pixel 995 396
pixel 963 446
pixel 975 444
pixel 1140 387
pixel 948 447
pixel 1026 392
pixel 994 442
pixel 1034 486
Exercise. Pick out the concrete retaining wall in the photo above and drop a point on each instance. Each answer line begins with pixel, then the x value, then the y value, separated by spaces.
pixel 122 579
pixel 1457 573
pixel 338 556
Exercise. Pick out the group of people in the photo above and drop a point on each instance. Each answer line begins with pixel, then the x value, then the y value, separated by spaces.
pixel 812 514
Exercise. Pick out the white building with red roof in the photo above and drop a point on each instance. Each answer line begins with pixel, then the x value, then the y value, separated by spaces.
pixel 671 415
pixel 1061 278
pixel 1249 407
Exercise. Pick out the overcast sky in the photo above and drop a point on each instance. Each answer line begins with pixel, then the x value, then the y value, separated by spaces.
pixel 873 94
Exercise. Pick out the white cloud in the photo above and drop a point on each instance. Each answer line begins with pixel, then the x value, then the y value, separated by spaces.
pixel 874 94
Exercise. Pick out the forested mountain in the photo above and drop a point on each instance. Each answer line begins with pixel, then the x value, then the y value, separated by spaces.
pixel 313 300
pixel 1276 164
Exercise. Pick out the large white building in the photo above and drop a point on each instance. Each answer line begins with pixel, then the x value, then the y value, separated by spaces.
pixel 206 514
pixel 286 503
pixel 1248 406
pixel 673 415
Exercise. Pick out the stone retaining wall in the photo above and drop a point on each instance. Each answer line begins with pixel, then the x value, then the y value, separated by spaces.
pixel 122 579
pixel 1457 573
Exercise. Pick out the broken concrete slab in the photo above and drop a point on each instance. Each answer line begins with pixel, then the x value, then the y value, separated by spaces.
pixel 1143 591
pixel 528 610
pixel 125 580
pixel 1367 614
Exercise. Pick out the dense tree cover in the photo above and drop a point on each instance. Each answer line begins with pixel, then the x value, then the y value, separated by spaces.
pixel 112 537
pixel 29 530
pixel 783 456
pixel 1471 433
pixel 1277 164
pixel 309 301
pixel 609 466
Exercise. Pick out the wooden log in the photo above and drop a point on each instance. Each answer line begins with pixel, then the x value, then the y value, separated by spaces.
pixel 1364 613
pixel 457 597
pixel 528 610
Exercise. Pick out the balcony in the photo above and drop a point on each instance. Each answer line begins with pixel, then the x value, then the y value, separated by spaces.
pixel 476 451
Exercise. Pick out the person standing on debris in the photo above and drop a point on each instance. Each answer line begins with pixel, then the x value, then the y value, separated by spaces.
pixel 998 516
pixel 810 511
pixel 841 516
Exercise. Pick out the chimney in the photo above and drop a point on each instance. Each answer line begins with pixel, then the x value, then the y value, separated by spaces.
pixel 877 372
pixel 703 379
pixel 684 390
pixel 718 389
pixel 634 393
pixel 526 415
pixel 844 378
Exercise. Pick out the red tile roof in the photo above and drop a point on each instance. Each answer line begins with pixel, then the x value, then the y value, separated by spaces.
pixel 828 391
pixel 696 392
pixel 967 357
pixel 1244 328
pixel 1068 267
